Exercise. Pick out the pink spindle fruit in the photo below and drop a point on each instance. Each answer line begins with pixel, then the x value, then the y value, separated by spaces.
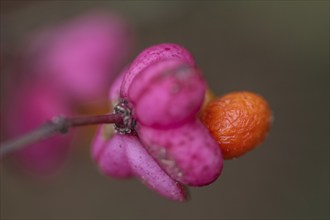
pixel 162 92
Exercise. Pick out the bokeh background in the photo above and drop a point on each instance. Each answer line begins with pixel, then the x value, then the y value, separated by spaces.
pixel 279 49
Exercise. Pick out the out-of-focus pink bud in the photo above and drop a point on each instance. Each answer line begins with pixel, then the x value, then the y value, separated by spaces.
pixel 83 55
pixel 28 108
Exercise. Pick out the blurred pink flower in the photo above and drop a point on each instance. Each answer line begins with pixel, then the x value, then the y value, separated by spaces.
pixel 168 146
pixel 31 106
pixel 83 55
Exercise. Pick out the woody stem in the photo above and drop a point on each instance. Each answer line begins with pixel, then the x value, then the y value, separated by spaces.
pixel 58 124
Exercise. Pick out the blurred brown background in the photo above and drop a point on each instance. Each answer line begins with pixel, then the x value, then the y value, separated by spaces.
pixel 279 49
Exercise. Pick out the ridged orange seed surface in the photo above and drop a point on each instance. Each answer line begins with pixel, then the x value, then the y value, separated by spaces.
pixel 238 121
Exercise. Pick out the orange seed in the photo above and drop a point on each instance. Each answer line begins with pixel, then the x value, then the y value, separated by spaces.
pixel 238 121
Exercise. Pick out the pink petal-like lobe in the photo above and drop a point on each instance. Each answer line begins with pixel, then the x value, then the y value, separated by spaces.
pixel 110 154
pixel 167 94
pixel 150 173
pixel 151 55
pixel 114 92
pixel 188 153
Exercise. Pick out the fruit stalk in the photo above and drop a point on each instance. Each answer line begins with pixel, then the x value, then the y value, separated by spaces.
pixel 58 124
